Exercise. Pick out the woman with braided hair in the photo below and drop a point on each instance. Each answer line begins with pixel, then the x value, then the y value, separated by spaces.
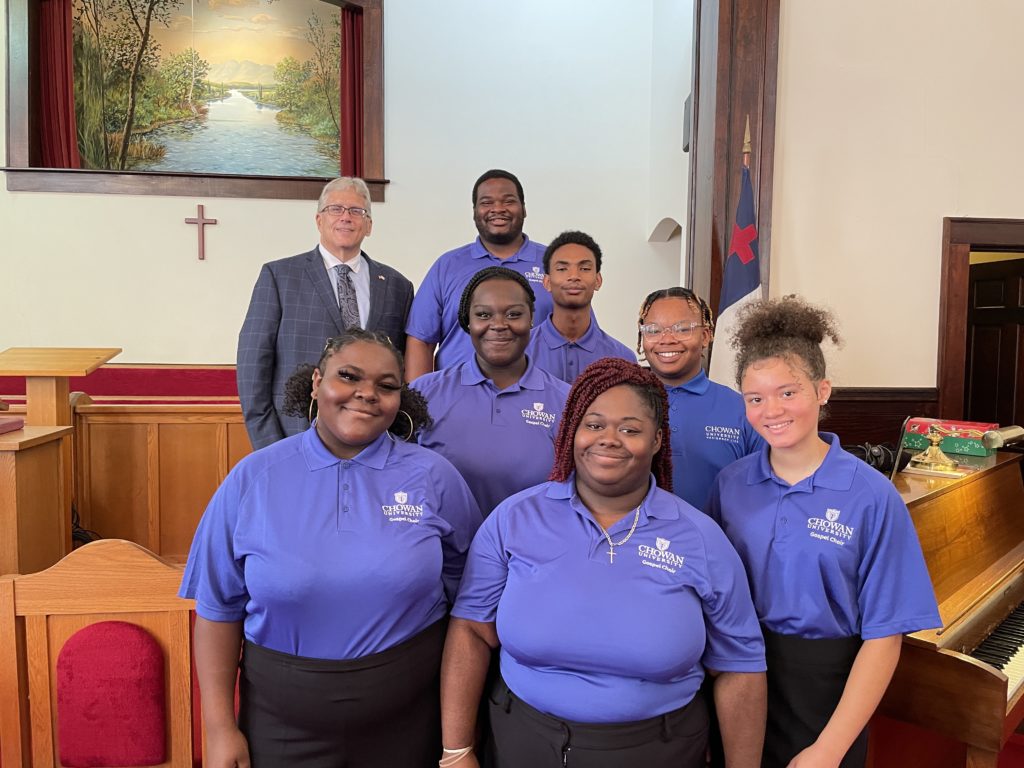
pixel 708 426
pixel 834 563
pixel 329 559
pixel 610 598
pixel 498 401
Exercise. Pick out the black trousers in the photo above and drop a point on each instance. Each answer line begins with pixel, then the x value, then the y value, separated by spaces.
pixel 378 711
pixel 806 679
pixel 527 738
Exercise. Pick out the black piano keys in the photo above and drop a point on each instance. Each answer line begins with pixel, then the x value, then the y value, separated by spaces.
pixel 1005 641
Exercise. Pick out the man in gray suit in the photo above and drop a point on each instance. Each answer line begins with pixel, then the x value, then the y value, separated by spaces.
pixel 300 302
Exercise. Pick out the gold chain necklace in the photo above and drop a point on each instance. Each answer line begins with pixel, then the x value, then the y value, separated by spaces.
pixel 613 544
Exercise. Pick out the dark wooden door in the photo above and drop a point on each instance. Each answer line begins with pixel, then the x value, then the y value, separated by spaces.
pixel 994 375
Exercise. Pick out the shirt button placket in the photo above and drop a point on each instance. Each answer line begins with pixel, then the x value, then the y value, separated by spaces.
pixel 781 517
pixel 343 493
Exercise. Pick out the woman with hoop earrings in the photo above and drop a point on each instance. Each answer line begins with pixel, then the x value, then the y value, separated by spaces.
pixel 329 560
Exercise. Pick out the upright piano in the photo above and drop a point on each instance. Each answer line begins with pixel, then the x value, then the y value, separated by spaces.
pixel 966 679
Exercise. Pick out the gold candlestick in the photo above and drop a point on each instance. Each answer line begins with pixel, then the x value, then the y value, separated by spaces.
pixel 932 457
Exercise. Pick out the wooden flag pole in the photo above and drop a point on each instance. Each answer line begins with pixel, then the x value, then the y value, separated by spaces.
pixel 747 148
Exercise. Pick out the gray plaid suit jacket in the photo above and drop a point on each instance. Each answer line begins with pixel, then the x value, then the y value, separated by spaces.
pixel 292 313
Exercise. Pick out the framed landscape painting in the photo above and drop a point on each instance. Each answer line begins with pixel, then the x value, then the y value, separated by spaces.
pixel 219 98
pixel 247 87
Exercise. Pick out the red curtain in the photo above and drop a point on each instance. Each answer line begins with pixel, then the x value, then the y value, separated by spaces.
pixel 351 91
pixel 58 132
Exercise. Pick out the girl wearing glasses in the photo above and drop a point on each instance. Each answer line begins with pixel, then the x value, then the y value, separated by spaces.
pixel 709 429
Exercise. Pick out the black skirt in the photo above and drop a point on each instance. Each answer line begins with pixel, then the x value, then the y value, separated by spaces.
pixel 806 679
pixel 377 711
pixel 525 737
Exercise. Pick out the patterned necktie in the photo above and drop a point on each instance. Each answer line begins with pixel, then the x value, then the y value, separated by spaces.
pixel 347 297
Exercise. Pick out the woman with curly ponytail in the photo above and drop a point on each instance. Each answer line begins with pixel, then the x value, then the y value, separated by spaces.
pixel 835 567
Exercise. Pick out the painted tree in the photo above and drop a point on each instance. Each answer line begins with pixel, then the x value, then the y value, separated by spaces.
pixel 136 48
pixel 92 14
pixel 326 61
pixel 290 76
pixel 184 73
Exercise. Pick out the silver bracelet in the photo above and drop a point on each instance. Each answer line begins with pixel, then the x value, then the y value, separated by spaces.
pixel 452 756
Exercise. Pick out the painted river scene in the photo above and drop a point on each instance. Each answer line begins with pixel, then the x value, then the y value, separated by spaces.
pixel 208 86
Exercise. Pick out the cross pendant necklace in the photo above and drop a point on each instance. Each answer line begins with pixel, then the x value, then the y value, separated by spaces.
pixel 613 544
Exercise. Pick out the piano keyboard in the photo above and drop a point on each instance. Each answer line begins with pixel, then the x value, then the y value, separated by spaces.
pixel 1004 648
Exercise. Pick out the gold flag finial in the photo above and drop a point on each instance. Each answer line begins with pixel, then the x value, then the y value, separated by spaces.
pixel 747 149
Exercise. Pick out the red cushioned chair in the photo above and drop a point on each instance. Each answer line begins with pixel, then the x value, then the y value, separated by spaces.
pixel 95 656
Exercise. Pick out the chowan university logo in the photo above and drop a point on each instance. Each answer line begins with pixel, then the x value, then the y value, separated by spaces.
pixel 535 275
pixel 659 556
pixel 829 528
pixel 538 417
pixel 402 511
pixel 722 434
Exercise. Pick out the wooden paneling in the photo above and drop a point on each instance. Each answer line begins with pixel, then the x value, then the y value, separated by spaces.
pixel 188 476
pixel 874 414
pixel 40 531
pixel 112 482
pixel 238 444
pixel 734 76
pixel 35 531
pixel 147 472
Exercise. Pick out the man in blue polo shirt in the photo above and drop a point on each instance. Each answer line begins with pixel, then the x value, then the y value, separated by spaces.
pixel 570 340
pixel 498 211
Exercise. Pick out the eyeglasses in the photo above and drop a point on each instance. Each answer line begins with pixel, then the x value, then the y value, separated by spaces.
pixel 679 330
pixel 339 210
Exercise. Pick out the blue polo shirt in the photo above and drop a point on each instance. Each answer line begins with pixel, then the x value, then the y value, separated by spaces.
pixel 709 432
pixel 598 642
pixel 565 359
pixel 835 555
pixel 501 442
pixel 331 558
pixel 434 317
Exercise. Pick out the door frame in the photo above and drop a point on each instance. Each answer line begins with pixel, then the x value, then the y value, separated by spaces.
pixel 960 236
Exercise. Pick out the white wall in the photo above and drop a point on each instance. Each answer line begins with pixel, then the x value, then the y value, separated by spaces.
pixel 671 75
pixel 891 115
pixel 559 93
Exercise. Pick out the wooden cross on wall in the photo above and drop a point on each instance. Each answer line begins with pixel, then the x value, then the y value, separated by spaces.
pixel 202 221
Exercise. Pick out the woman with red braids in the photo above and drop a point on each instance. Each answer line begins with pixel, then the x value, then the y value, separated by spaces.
pixel 610 598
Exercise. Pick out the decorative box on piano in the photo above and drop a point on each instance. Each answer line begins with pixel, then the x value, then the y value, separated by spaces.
pixel 962 437
pixel 951 680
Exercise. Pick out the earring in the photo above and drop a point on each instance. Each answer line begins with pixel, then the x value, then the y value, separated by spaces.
pixel 412 426
pixel 312 395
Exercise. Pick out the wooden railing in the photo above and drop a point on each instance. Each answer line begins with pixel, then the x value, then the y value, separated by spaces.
pixel 146 472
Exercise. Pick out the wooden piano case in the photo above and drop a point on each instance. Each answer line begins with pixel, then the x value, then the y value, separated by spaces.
pixel 972 534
